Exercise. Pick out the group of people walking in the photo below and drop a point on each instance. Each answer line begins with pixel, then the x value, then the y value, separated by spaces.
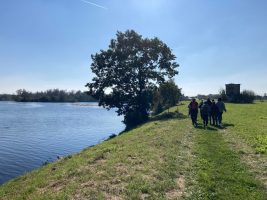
pixel 210 111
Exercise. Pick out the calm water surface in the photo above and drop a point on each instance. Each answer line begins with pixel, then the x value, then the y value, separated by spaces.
pixel 32 133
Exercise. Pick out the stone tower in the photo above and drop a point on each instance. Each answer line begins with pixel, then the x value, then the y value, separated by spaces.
pixel 232 91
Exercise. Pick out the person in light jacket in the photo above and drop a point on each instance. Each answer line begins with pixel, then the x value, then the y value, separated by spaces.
pixel 221 107
pixel 205 110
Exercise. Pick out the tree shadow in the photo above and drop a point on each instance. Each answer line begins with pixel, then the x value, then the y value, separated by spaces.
pixel 160 117
pixel 166 116
pixel 127 129
pixel 113 135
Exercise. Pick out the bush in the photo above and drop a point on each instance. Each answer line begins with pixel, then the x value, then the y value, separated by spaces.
pixel 247 96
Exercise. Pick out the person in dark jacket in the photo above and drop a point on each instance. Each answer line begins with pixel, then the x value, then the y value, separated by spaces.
pixel 193 111
pixel 199 106
pixel 214 113
pixel 209 104
pixel 205 110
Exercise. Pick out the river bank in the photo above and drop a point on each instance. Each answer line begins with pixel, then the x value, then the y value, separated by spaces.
pixel 165 158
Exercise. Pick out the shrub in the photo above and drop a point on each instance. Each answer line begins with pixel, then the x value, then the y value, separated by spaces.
pixel 247 96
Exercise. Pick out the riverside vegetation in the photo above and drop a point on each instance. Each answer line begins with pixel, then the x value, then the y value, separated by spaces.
pixel 165 158
pixel 52 95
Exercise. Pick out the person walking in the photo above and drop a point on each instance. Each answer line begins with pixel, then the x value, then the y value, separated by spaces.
pixel 221 107
pixel 200 105
pixel 205 110
pixel 193 111
pixel 214 113
pixel 209 104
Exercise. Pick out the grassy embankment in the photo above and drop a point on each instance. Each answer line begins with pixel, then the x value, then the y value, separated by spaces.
pixel 164 159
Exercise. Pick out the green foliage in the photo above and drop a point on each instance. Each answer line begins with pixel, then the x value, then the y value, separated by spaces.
pixel 157 102
pixel 166 96
pixel 158 108
pixel 127 73
pixel 222 94
pixel 170 94
pixel 247 96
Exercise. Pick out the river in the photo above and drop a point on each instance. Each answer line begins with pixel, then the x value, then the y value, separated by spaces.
pixel 34 133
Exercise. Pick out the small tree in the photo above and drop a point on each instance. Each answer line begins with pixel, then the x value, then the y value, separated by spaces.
pixel 157 102
pixel 170 94
pixel 23 95
pixel 127 73
pixel 223 95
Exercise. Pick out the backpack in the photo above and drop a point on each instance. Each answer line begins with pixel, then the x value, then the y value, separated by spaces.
pixel 194 105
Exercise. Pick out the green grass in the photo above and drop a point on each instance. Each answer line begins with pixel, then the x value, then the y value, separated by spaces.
pixel 250 123
pixel 220 174
pixel 163 159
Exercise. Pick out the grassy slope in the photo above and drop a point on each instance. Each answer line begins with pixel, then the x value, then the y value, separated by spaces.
pixel 158 160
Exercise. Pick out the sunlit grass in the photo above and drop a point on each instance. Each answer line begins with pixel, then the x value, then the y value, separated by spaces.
pixel 250 123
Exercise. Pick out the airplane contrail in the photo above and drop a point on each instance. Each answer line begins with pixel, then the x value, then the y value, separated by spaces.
pixel 94 4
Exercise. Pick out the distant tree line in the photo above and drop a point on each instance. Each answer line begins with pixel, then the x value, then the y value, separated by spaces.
pixel 246 96
pixel 52 95
pixel 261 98
pixel 7 97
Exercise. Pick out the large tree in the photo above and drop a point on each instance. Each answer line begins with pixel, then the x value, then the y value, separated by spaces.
pixel 128 72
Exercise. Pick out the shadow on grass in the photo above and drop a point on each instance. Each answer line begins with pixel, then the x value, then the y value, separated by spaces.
pixel 214 127
pixel 127 129
pixel 160 117
pixel 166 116
pixel 227 125
pixel 206 128
pixel 111 137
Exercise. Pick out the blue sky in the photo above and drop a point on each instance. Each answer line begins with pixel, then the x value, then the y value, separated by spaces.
pixel 47 43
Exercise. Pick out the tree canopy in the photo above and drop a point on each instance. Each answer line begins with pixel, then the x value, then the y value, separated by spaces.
pixel 127 73
pixel 166 96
